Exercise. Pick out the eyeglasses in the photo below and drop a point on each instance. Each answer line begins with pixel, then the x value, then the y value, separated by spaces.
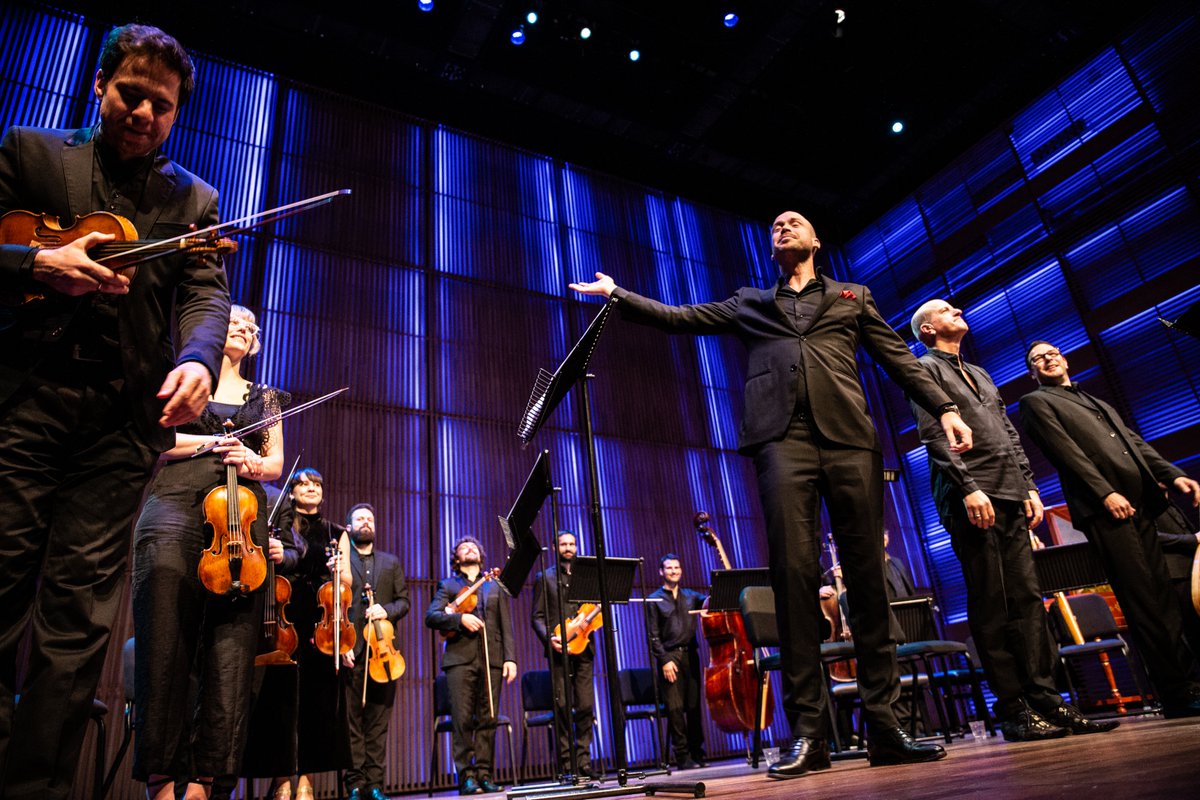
pixel 243 326
pixel 1046 356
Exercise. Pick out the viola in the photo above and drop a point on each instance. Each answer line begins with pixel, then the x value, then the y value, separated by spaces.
pixel 731 678
pixel 580 627
pixel 233 564
pixel 122 254
pixel 467 600
pixel 846 669
pixel 334 632
pixel 384 664
pixel 278 636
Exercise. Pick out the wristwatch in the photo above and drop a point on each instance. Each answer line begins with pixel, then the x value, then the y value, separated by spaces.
pixel 947 408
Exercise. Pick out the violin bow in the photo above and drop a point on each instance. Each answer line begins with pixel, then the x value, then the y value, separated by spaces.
pixel 249 222
pixel 267 422
pixel 279 500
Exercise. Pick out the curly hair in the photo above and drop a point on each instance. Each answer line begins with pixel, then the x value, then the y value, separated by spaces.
pixel 145 41
pixel 466 540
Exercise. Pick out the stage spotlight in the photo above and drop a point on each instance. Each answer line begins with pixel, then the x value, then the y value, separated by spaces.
pixel 840 15
pixel 634 55
pixel 897 127
pixel 517 37
pixel 585 32
pixel 425 5
pixel 731 20
pixel 531 17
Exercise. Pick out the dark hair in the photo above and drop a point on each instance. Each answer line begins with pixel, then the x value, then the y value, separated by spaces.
pixel 666 558
pixel 1028 350
pixel 563 533
pixel 306 474
pixel 145 41
pixel 356 507
pixel 460 543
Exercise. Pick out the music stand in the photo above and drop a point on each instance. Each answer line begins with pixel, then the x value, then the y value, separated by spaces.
pixel 1188 321
pixel 523 546
pixel 727 586
pixel 618 579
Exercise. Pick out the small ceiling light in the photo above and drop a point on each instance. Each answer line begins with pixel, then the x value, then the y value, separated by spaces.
pixel 425 5
pixel 585 32
pixel 731 20
pixel 517 37
pixel 531 18
pixel 634 55
pixel 897 127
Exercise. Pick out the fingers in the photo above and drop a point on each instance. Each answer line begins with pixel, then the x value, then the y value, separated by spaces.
pixel 186 390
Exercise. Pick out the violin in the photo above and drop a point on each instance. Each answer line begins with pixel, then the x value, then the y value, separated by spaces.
pixel 233 564
pixel 844 670
pixel 580 627
pixel 385 664
pixel 731 679
pixel 467 600
pixel 334 632
pixel 123 253
pixel 278 633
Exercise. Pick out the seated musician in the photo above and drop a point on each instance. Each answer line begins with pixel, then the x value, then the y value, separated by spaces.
pixel 673 635
pixel 480 657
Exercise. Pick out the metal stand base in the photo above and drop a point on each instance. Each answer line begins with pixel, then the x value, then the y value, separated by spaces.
pixel 571 791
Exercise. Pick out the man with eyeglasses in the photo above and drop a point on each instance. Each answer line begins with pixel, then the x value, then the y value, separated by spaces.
pixel 1110 478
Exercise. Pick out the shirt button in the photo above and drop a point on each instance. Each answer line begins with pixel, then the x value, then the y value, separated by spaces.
pixel 1113 435
pixel 792 367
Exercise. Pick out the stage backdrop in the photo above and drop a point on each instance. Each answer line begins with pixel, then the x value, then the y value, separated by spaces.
pixel 438 290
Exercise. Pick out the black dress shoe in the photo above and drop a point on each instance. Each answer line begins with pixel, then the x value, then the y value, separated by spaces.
pixel 470 786
pixel 1068 716
pixel 488 786
pixel 356 794
pixel 804 756
pixel 687 763
pixel 895 746
pixel 377 794
pixel 1029 726
pixel 1185 708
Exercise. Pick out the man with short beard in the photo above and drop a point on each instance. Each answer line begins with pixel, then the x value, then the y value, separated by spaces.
pixel 673 637
pixel 369 721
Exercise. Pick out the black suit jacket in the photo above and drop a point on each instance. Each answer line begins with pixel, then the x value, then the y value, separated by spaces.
pixel 50 171
pixel 773 345
pixel 1095 453
pixel 390 588
pixel 493 609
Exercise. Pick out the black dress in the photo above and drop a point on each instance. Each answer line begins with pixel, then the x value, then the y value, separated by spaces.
pixel 195 650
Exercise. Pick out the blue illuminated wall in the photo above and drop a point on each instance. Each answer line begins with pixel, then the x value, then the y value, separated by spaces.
pixel 1078 222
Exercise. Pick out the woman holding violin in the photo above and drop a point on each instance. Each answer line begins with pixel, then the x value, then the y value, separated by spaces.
pixel 315 715
pixel 473 613
pixel 200 548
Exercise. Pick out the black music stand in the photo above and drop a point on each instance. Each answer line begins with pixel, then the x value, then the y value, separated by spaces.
pixel 1188 321
pixel 523 546
pixel 727 586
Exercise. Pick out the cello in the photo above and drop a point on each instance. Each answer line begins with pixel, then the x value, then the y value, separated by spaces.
pixel 233 563
pixel 731 678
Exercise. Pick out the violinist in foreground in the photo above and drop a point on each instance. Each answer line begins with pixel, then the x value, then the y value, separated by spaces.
pixel 194 608
pixel 91 384
pixel 369 706
pixel 472 612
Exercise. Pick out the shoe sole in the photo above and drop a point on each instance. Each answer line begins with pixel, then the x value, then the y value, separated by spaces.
pixel 1065 732
pixel 781 776
pixel 894 761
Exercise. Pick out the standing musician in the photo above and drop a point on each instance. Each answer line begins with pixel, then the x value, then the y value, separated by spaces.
pixel 806 427
pixel 1110 478
pixel 182 629
pixel 544 620
pixel 480 640
pixel 369 717
pixel 90 389
pixel 314 712
pixel 673 637
pixel 987 500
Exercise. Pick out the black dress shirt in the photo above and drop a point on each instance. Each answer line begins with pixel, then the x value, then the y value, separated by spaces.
pixel 674 628
pixel 801 307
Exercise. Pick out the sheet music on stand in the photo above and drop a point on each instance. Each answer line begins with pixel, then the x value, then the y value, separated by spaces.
pixel 727 586
pixel 549 390
pixel 618 579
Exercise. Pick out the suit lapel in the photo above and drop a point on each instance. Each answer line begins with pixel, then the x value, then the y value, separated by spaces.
pixel 159 185
pixel 1059 391
pixel 833 290
pixel 77 156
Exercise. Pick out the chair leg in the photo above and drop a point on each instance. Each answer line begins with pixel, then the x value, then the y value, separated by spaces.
pixel 939 703
pixel 524 751
pixel 512 756
pixel 433 759
pixel 101 758
pixel 756 752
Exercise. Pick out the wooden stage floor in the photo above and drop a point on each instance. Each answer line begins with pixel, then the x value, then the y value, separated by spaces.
pixel 1147 757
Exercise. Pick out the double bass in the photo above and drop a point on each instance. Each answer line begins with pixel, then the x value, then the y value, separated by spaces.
pixel 731 678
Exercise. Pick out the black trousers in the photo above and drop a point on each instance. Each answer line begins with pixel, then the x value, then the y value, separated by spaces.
pixel 1004 605
pixel 368 725
pixel 473 731
pixel 72 472
pixel 682 699
pixel 795 474
pixel 1137 571
pixel 583 695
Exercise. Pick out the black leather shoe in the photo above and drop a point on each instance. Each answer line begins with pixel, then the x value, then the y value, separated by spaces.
pixel 1187 708
pixel 1029 726
pixel 687 763
pixel 1068 716
pixel 488 786
pixel 377 794
pixel 804 756
pixel 470 786
pixel 356 794
pixel 895 746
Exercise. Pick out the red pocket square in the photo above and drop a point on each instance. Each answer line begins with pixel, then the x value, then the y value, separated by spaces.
pixel 849 295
